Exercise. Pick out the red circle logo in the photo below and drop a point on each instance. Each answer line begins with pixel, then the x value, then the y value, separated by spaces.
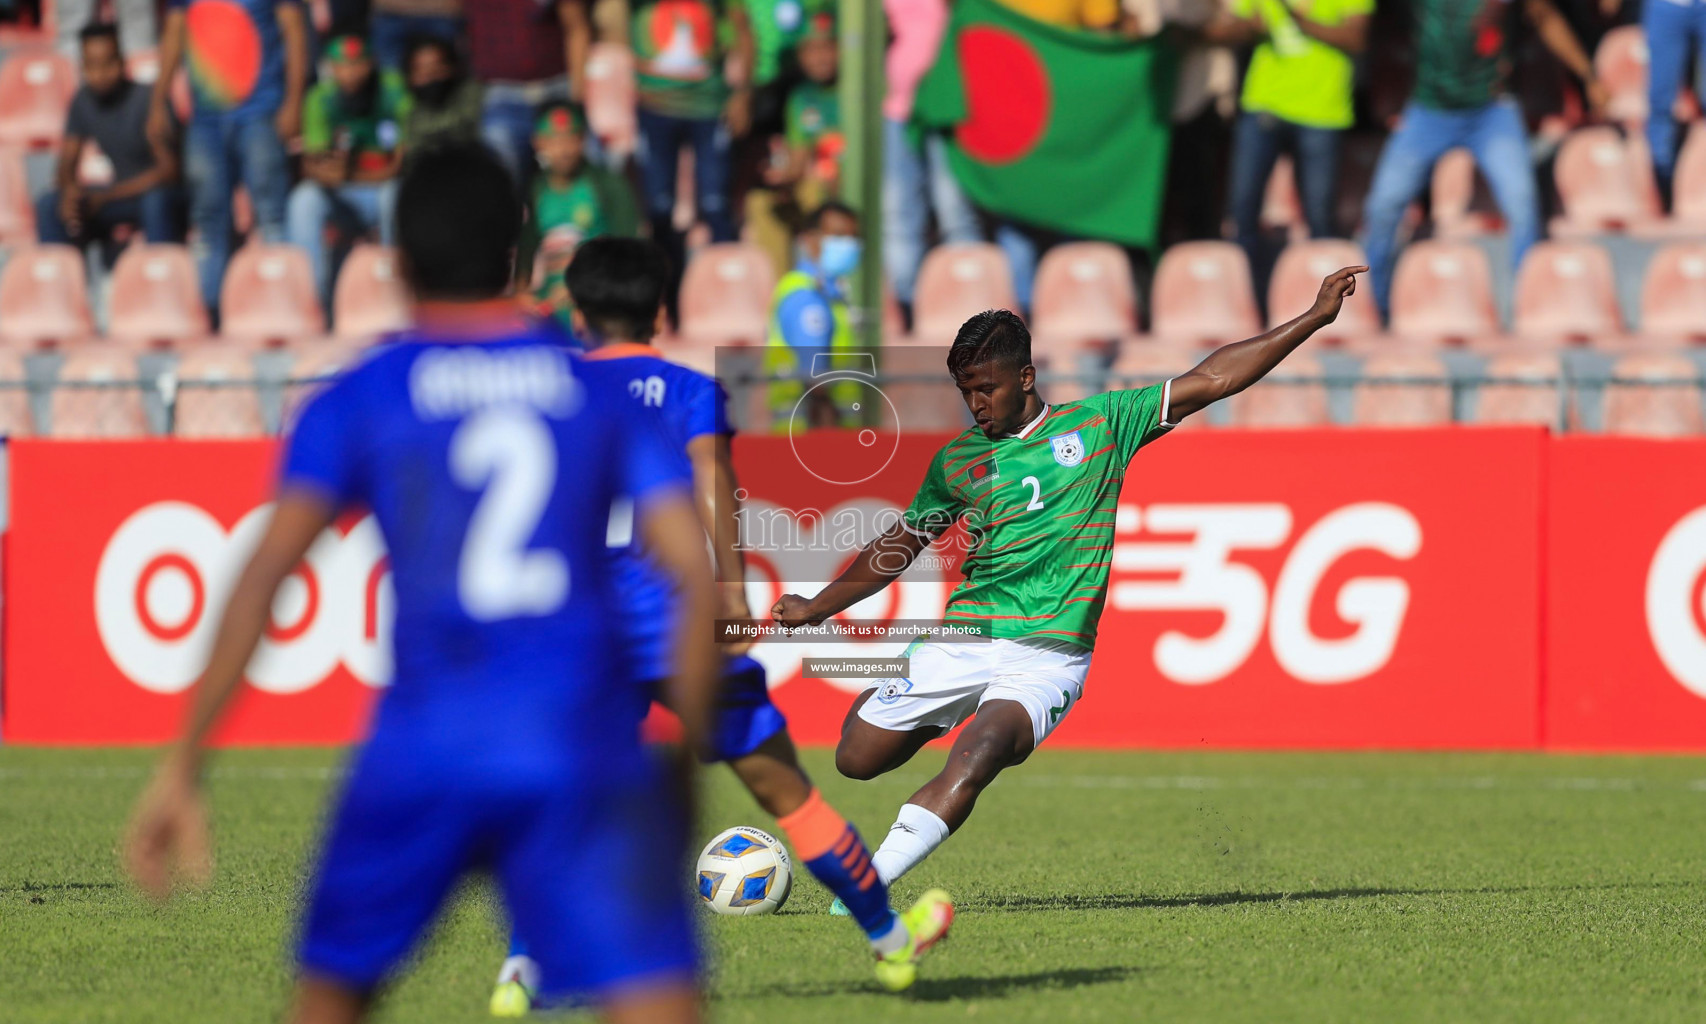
pixel 279 633
pixel 1008 99
pixel 198 596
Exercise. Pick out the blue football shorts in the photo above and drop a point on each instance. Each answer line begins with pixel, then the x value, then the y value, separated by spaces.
pixel 591 872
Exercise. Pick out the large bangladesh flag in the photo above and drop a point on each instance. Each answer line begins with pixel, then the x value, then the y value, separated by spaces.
pixel 1050 126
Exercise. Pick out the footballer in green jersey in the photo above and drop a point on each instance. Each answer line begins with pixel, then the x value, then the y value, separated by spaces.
pixel 1035 486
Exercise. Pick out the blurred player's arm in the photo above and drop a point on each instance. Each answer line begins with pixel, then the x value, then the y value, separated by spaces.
pixel 170 826
pixel 674 538
pixel 714 488
pixel 880 563
pixel 1232 368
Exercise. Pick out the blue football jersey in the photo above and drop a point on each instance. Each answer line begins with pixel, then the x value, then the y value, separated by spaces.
pixel 491 469
pixel 682 404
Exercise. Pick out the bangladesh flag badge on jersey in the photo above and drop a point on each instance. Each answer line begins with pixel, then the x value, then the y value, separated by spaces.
pixel 1053 127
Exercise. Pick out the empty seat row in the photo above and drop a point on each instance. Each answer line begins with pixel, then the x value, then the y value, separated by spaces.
pixel 267 297
pixel 1649 394
pixel 215 391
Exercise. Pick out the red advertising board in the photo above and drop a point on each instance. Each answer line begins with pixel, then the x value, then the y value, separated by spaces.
pixel 117 558
pixel 1295 589
pixel 1626 595
pixel 1455 588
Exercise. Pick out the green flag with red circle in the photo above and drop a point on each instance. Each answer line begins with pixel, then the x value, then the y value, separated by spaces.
pixel 1053 127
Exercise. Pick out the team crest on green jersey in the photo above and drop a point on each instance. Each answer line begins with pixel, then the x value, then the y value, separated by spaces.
pixel 1068 449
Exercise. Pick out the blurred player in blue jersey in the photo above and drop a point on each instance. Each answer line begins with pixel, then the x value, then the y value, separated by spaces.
pixel 617 286
pixel 506 742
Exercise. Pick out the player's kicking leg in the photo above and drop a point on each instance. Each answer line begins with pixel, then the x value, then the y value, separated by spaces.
pixel 1019 692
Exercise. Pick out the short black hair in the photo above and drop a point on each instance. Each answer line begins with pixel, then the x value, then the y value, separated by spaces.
pixel 814 219
pixel 427 41
pixel 618 285
pixel 994 335
pixel 458 219
pixel 99 30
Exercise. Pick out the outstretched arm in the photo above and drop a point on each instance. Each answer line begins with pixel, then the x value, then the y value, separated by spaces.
pixel 1232 368
pixel 879 564
pixel 170 826
pixel 1554 31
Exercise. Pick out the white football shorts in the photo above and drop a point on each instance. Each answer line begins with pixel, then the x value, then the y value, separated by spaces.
pixel 950 681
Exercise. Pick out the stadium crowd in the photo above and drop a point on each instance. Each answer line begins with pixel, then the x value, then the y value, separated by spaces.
pixel 1564 283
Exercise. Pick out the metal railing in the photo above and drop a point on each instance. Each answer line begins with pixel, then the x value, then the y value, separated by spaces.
pixel 167 399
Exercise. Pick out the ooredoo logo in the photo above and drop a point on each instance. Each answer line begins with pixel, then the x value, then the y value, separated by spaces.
pixel 1198 557
pixel 1676 601
pixel 164 576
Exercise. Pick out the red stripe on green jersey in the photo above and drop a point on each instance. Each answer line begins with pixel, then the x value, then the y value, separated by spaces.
pixel 1038 515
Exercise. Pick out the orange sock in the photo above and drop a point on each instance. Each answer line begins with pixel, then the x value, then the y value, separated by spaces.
pixel 814 828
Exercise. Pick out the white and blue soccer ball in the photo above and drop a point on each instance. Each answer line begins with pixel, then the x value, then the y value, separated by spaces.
pixel 743 871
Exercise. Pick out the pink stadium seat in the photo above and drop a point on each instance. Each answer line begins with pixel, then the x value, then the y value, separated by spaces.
pixel 216 394
pixel 1535 393
pixel 36 84
pixel 15 419
pixel 369 299
pixel 1567 290
pixel 725 295
pixel 1654 395
pixel 1418 393
pixel 17 213
pixel 1202 294
pixel 109 401
pixel 1604 183
pixel 610 92
pixel 1083 295
pixel 1620 63
pixel 1673 296
pixel 143 67
pixel 956 281
pixel 268 296
pixel 1443 290
pixel 1279 402
pixel 156 297
pixel 1688 205
pixel 1281 205
pixel 44 298
pixel 1297 280
pixel 1454 193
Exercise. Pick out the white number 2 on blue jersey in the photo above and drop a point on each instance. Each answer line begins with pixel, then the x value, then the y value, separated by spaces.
pixel 508 453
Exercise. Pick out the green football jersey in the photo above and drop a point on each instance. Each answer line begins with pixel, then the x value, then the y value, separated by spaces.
pixel 1039 510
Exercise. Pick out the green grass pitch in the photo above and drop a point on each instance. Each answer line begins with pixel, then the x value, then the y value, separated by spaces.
pixel 1092 886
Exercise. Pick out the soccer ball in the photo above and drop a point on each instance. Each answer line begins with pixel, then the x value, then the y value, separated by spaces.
pixel 745 871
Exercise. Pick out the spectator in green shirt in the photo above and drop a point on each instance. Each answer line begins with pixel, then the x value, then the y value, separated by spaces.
pixel 685 102
pixel 1297 98
pixel 448 104
pixel 571 200
pixel 1460 101
pixel 777 28
pixel 805 167
pixel 352 146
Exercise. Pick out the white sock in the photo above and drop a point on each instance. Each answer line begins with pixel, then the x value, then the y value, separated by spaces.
pixel 522 969
pixel 915 833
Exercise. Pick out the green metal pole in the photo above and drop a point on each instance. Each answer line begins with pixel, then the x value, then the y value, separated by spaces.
pixel 863 36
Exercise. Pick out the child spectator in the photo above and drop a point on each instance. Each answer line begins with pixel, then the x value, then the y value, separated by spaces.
pixel 352 146
pixel 111 111
pixel 247 63
pixel 807 169
pixel 572 199
pixel 447 103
